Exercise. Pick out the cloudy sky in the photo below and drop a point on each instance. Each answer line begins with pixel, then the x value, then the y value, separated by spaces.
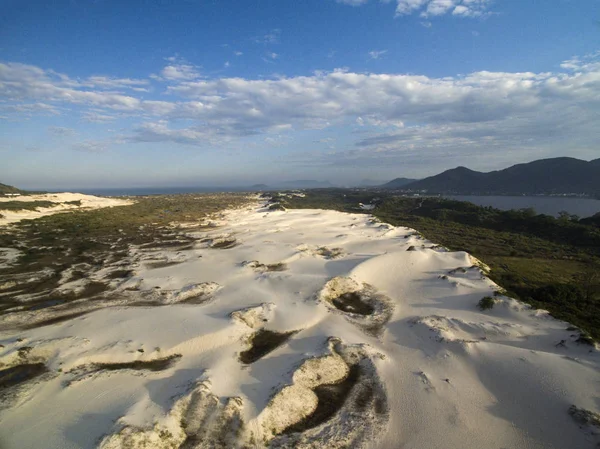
pixel 113 93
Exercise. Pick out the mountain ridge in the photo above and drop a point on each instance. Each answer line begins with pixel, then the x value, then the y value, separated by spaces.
pixel 561 175
pixel 5 188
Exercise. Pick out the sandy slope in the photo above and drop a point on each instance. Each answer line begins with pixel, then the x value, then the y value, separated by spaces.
pixel 435 372
pixel 87 202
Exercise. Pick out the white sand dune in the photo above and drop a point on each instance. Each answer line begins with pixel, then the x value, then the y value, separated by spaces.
pixel 420 365
pixel 87 202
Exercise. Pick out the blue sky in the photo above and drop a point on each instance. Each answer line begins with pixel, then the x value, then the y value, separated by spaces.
pixel 111 93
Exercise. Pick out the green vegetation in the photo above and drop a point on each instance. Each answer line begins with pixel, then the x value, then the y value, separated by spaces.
pixel 8 190
pixel 262 342
pixel 276 206
pixel 18 374
pixel 352 302
pixel 550 263
pixel 546 176
pixel 280 266
pixel 331 398
pixel 4 188
pixel 486 303
pixel 82 241
pixel 25 205
pixel 139 365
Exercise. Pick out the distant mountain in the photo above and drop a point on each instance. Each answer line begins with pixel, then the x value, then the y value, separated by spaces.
pixel 370 183
pixel 259 187
pixel 8 189
pixel 305 184
pixel 397 183
pixel 562 175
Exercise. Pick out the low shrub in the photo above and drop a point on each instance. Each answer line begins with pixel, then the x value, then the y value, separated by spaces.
pixel 486 303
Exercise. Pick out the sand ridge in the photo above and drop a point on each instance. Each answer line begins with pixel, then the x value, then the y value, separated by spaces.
pixel 61 200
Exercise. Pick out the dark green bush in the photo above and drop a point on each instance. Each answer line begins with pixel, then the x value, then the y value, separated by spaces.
pixel 486 303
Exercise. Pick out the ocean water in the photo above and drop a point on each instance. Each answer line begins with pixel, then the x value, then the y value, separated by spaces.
pixel 156 190
pixel 549 205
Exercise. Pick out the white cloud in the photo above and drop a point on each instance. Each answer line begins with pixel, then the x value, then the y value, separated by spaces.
pixel 29 108
pixel 61 131
pixel 376 54
pixel 270 57
pixel 179 72
pixel 582 63
pixel 104 82
pixel 90 146
pixel 440 7
pixel 220 132
pixel 482 111
pixel 19 82
pixel 95 117
pixel 429 8
pixel 272 37
pixel 238 53
pixel 352 2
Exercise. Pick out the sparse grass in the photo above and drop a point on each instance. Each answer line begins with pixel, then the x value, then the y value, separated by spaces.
pixel 329 253
pixel 331 399
pixel 276 267
pixel 162 264
pixel 139 365
pixel 352 302
pixel 56 320
pixel 526 253
pixel 18 374
pixel 25 205
pixel 584 417
pixel 486 303
pixel 585 339
pixel 85 241
pixel 120 274
pixel 262 342
pixel 224 244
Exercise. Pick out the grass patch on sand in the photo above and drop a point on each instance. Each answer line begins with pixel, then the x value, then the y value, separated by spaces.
pixel 52 246
pixel 262 342
pixel 352 302
pixel 331 398
pixel 224 244
pixel 25 205
pixel 56 320
pixel 550 263
pixel 18 374
pixel 139 365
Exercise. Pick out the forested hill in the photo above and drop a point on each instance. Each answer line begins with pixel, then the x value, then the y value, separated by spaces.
pixel 562 175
